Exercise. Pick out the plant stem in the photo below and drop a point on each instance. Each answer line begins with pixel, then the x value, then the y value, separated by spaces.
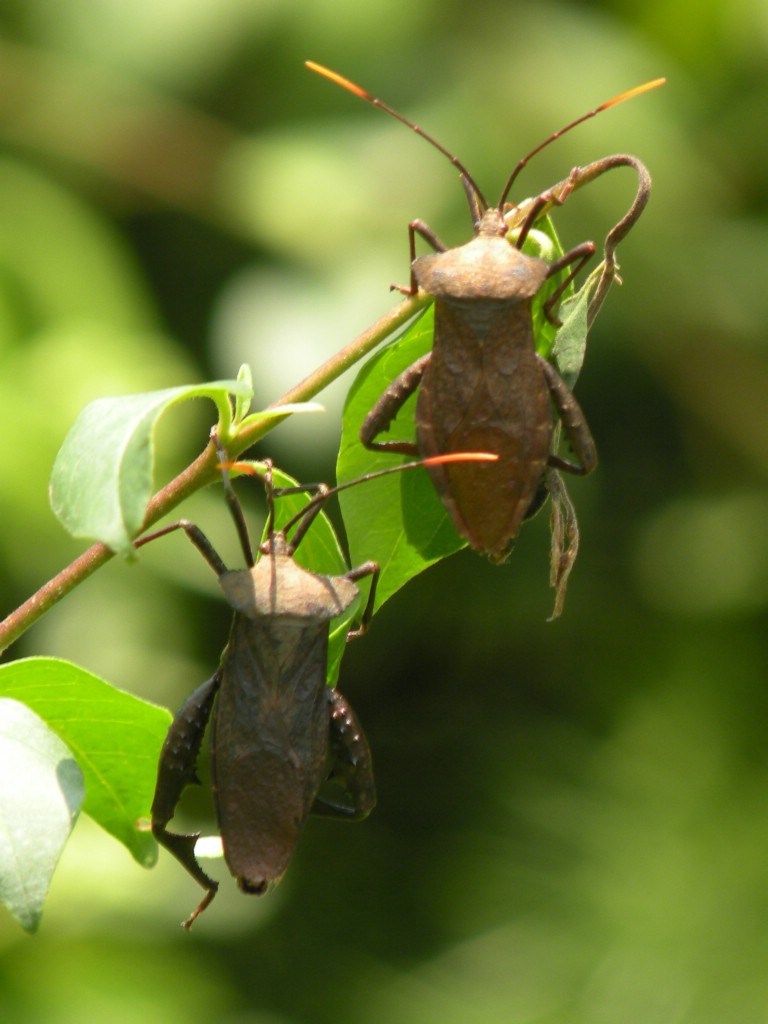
pixel 203 470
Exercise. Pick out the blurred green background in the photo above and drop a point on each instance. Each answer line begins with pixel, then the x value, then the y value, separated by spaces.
pixel 573 817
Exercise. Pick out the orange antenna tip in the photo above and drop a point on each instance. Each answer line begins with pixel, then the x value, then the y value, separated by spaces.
pixel 238 466
pixel 338 79
pixel 441 460
pixel 631 93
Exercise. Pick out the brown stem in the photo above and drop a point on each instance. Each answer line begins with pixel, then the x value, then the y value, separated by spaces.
pixel 203 470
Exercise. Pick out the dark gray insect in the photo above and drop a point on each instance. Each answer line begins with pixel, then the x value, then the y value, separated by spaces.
pixel 278 731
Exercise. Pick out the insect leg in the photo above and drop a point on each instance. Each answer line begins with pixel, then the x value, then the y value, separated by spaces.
pixel 579 255
pixel 574 423
pixel 233 504
pixel 308 516
pixel 360 572
pixel 198 538
pixel 620 230
pixel 388 406
pixel 417 227
pixel 352 768
pixel 176 770
pixel 580 176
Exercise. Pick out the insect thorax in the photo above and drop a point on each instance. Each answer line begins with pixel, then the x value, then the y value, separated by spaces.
pixel 278 587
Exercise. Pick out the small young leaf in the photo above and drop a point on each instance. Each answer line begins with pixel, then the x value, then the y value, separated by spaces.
pixel 243 402
pixel 102 477
pixel 41 791
pixel 114 737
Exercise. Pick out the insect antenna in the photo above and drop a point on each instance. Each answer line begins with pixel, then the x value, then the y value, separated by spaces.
pixel 325 492
pixel 627 95
pixel 235 507
pixel 303 519
pixel 356 90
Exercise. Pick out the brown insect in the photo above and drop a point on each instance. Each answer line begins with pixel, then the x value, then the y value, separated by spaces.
pixel 483 386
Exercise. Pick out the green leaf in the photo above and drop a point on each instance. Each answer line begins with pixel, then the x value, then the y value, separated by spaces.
pixel 243 401
pixel 543 242
pixel 570 344
pixel 102 477
pixel 114 737
pixel 41 791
